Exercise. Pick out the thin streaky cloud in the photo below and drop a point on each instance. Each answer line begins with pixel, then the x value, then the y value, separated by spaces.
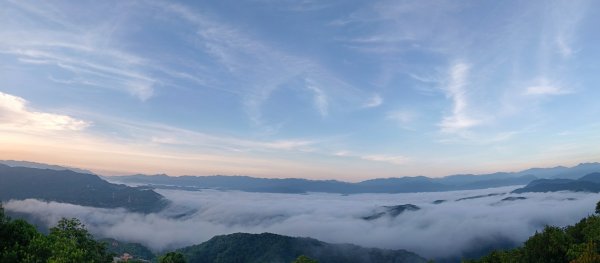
pixel 375 101
pixel 456 91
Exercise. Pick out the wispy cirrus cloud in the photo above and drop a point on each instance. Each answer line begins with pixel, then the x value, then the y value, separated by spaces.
pixel 82 50
pixel 545 87
pixel 567 17
pixel 402 117
pixel 375 101
pixel 385 158
pixel 320 99
pixel 259 68
pixel 456 91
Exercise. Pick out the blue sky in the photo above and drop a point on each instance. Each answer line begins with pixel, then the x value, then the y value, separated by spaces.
pixel 344 90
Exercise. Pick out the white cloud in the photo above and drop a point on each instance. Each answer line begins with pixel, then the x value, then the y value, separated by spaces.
pixel 566 18
pixel 457 92
pixel 545 90
pixel 141 89
pixel 342 153
pixel 401 116
pixel 288 144
pixel 14 114
pixel 320 99
pixel 375 101
pixel 449 229
pixel 392 159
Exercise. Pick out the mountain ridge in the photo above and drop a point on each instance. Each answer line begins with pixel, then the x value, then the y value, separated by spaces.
pixel 268 247
pixel 586 183
pixel 75 188
pixel 408 184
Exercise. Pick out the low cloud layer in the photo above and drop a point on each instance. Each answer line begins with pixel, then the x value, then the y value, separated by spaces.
pixel 449 229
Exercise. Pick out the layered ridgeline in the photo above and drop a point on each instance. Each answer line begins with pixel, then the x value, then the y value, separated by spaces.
pixel 387 185
pixel 587 183
pixel 67 186
pixel 28 164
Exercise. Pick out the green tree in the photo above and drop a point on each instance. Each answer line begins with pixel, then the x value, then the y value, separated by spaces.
pixel 598 207
pixel 304 259
pixel 578 243
pixel 68 242
pixel 71 242
pixel 549 246
pixel 171 257
pixel 588 255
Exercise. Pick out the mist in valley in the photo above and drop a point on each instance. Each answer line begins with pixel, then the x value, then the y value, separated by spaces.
pixel 457 226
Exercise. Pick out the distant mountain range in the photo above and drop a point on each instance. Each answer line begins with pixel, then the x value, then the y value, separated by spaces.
pixel 267 247
pixel 75 188
pixel 296 185
pixel 386 185
pixel 587 183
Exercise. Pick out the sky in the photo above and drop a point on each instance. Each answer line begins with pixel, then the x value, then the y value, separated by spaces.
pixel 345 90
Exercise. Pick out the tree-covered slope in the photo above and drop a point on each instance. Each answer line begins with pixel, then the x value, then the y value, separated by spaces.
pixel 579 243
pixel 75 188
pixel 69 241
pixel 138 251
pixel 267 247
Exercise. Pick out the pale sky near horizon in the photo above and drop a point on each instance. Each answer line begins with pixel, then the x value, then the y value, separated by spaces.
pixel 346 90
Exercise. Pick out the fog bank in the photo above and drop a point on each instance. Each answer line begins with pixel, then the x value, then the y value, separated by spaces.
pixel 448 229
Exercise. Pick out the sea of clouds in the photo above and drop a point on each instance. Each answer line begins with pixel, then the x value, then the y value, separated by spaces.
pixel 450 229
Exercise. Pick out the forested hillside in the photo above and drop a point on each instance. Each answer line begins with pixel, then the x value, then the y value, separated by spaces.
pixel 69 241
pixel 579 243
pixel 267 247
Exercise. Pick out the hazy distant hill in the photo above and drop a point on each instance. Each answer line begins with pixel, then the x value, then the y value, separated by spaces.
pixel 587 183
pixel 272 248
pixel 564 172
pixel 294 185
pixel 75 188
pixel 381 185
pixel 27 164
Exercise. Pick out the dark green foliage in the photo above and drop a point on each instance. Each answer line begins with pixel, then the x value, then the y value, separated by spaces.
pixel 171 257
pixel 75 188
pixel 598 208
pixel 274 248
pixel 69 241
pixel 136 250
pixel 304 259
pixel 578 243
pixel 549 246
